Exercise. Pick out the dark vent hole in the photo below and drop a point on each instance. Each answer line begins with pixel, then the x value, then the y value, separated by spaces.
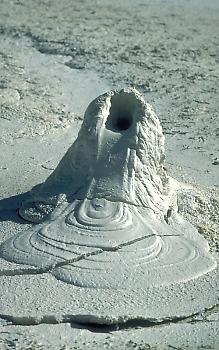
pixel 122 112
pixel 123 123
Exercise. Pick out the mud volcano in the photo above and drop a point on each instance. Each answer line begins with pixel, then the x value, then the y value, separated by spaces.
pixel 107 238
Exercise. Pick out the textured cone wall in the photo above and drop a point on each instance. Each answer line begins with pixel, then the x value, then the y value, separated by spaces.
pixel 119 130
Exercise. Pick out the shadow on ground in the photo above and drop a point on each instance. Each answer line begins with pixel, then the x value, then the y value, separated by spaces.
pixel 9 207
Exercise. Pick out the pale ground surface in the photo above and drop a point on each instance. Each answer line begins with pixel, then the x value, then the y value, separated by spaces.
pixel 56 56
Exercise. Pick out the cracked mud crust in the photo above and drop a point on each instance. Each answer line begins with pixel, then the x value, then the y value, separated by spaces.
pixel 103 257
pixel 50 51
pixel 169 336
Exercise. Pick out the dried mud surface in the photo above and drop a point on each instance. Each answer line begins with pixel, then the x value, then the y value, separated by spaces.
pixel 169 50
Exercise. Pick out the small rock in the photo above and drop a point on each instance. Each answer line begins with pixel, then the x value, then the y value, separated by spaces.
pixel 215 161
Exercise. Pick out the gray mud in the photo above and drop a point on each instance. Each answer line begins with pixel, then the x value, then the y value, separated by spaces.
pixel 55 57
